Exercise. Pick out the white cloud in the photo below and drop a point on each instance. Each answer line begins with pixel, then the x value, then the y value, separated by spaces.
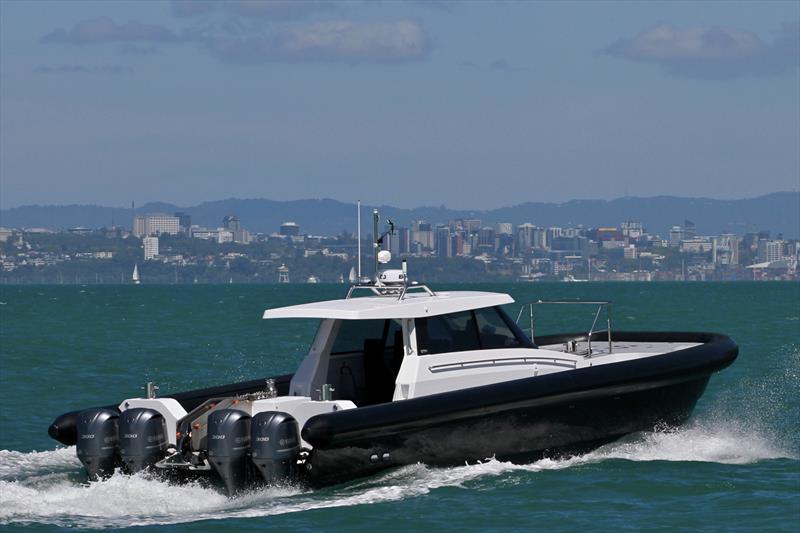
pixel 233 41
pixel 105 30
pixel 332 41
pixel 710 52
pixel 265 9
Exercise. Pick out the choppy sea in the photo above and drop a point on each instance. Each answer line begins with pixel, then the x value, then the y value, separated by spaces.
pixel 734 466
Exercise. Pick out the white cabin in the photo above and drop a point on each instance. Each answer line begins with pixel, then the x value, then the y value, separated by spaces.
pixel 386 348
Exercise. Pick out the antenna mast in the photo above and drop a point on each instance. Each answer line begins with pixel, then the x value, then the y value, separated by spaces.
pixel 359 241
pixel 375 241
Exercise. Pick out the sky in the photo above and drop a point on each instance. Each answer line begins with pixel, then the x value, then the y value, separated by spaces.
pixel 408 103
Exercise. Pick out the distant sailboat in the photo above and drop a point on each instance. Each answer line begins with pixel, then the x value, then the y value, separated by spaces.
pixel 352 277
pixel 135 276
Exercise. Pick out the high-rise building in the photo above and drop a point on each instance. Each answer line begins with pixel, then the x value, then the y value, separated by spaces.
pixel 184 222
pixel 769 250
pixel 239 235
pixel 422 233
pixel 676 235
pixel 150 247
pixel 457 243
pixel 155 224
pixel 689 229
pixel 442 242
pixel 391 242
pixel 725 249
pixel 632 230
pixel 525 237
pixel 139 228
pixel 486 239
pixel 404 240
pixel 540 241
pixel 231 223
pixel 553 232
pixel 471 225
pixel 504 228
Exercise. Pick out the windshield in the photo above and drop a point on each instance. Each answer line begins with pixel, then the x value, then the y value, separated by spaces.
pixel 481 329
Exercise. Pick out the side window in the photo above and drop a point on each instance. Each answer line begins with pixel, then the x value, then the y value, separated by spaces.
pixel 394 334
pixel 352 333
pixel 494 331
pixel 455 332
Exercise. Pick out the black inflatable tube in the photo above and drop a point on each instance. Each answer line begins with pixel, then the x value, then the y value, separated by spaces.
pixel 64 428
pixel 713 354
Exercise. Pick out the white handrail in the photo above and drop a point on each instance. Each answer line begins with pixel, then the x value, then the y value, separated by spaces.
pixel 600 305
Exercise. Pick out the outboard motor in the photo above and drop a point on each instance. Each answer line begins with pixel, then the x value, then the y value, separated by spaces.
pixel 275 445
pixel 142 438
pixel 229 446
pixel 97 441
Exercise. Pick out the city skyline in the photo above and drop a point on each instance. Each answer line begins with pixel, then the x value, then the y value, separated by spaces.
pixel 472 105
pixel 626 251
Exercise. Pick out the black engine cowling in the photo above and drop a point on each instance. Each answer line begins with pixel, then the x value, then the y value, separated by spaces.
pixel 275 445
pixel 229 446
pixel 97 445
pixel 142 438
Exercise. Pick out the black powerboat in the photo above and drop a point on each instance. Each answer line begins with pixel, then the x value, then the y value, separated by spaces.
pixel 406 375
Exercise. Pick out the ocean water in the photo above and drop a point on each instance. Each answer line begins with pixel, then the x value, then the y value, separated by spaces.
pixel 734 466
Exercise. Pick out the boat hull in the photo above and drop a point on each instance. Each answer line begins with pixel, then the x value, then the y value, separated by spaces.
pixel 568 426
pixel 552 415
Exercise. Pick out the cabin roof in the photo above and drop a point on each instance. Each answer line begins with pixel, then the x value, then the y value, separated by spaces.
pixel 383 307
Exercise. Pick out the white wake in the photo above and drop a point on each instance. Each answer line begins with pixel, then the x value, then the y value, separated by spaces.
pixel 47 487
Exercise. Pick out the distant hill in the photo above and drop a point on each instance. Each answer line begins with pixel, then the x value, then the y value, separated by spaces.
pixel 778 212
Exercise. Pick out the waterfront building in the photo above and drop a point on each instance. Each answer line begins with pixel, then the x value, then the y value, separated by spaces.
pixel 770 250
pixel 283 274
pixel 725 249
pixel 150 247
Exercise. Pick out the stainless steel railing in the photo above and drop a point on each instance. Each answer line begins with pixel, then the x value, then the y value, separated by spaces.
pixel 572 344
pixel 399 291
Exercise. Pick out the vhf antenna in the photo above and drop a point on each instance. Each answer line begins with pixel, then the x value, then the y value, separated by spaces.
pixel 379 240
